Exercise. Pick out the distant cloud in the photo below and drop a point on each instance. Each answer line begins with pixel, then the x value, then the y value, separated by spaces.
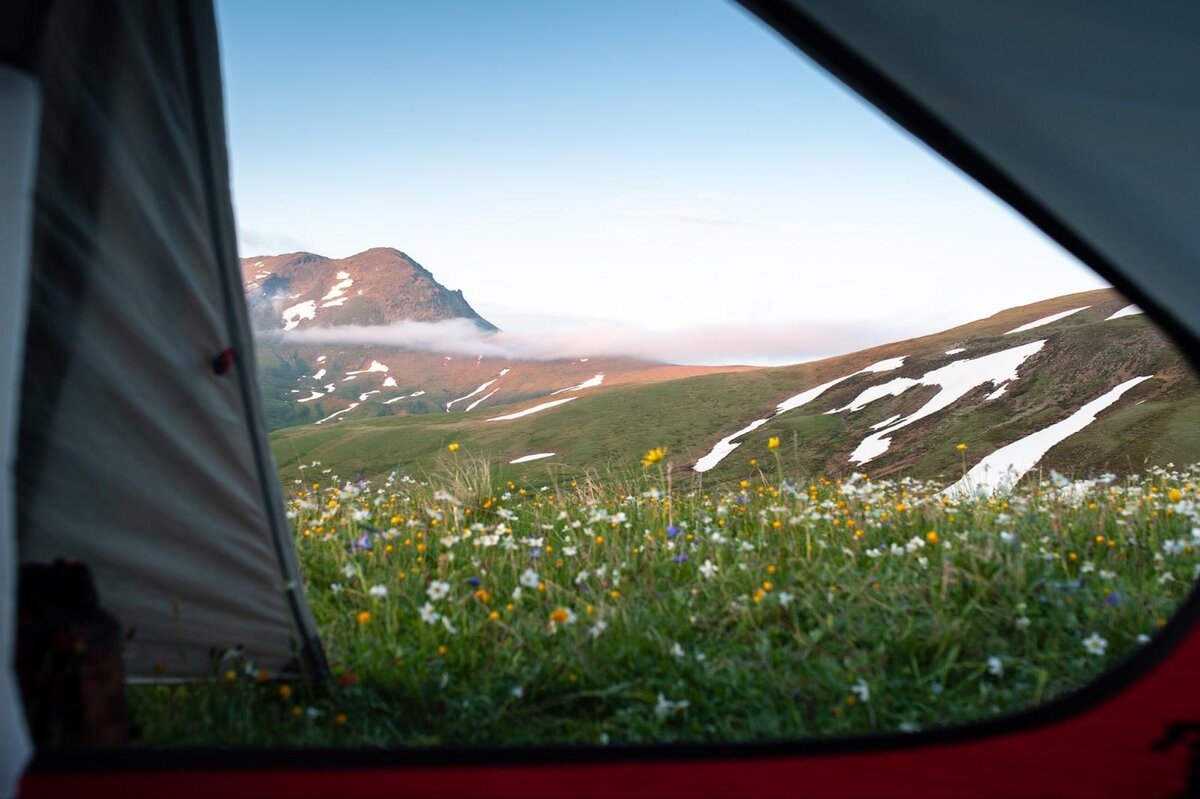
pixel 260 242
pixel 703 344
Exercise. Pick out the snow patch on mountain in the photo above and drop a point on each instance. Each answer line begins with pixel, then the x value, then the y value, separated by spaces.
pixel 375 366
pixel 955 380
pixel 303 310
pixel 535 457
pixel 473 405
pixel 336 414
pixel 1046 320
pixel 1128 310
pixel 728 444
pixel 535 409
pixel 1001 470
pixel 591 382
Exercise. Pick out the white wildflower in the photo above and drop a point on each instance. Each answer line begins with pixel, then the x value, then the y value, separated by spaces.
pixel 428 614
pixel 437 590
pixel 1095 644
pixel 529 579
pixel 995 666
pixel 666 707
pixel 708 568
pixel 378 591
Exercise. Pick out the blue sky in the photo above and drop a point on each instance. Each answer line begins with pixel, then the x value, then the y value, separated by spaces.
pixel 658 163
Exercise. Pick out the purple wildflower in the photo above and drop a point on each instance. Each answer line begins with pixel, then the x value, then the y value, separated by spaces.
pixel 680 558
pixel 475 581
pixel 672 531
pixel 362 543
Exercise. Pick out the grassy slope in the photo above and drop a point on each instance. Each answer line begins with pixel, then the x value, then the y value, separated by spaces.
pixel 608 427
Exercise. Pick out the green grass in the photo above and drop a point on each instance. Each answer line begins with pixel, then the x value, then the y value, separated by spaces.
pixel 834 607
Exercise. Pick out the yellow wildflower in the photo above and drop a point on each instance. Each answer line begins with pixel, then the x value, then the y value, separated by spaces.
pixel 773 442
pixel 653 456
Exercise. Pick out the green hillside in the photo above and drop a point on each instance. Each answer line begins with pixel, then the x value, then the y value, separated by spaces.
pixel 1084 356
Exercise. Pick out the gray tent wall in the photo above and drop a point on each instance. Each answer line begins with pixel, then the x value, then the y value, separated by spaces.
pixel 138 454
pixel 1083 114
pixel 19 108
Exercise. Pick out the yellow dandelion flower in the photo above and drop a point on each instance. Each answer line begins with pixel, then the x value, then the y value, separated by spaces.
pixel 932 537
pixel 364 617
pixel 285 692
pixel 230 675
pixel 494 615
pixel 961 447
pixel 773 442
pixel 442 650
pixel 768 586
pixel 453 446
pixel 653 456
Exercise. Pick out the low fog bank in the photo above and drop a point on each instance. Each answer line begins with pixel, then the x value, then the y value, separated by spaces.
pixel 719 344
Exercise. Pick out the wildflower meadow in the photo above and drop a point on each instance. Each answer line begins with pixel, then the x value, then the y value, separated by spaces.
pixel 639 608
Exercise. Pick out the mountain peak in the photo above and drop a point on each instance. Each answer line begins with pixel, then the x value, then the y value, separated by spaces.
pixel 374 287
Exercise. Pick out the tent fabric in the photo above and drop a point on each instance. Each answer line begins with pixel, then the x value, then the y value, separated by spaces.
pixel 19 112
pixel 139 454
pixel 1091 109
